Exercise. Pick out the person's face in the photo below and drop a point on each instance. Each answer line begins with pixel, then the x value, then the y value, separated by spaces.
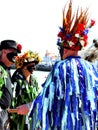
pixel 31 67
pixel 8 56
pixel 11 55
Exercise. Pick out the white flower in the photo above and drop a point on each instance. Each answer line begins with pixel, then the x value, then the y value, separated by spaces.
pixel 77 35
pixel 71 43
pixel 82 42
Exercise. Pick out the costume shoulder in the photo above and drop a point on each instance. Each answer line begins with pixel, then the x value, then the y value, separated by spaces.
pixel 70 72
pixel 5 89
pixel 2 72
pixel 3 77
pixel 17 76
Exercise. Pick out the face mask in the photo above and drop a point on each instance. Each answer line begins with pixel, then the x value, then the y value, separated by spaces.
pixel 11 56
pixel 31 68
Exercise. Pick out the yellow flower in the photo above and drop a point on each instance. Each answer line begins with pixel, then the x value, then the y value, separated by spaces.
pixel 28 56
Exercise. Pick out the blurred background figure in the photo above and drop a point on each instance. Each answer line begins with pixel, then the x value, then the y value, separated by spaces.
pixel 25 86
pixel 91 54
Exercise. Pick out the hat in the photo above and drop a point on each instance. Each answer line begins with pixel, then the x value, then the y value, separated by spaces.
pixel 26 58
pixel 73 34
pixel 6 44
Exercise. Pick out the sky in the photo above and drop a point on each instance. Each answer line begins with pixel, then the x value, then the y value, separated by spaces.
pixel 35 23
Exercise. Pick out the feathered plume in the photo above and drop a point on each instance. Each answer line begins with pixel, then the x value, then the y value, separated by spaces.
pixel 67 20
pixel 74 30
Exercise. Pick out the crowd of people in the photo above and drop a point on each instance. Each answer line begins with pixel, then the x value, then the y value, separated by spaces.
pixel 68 99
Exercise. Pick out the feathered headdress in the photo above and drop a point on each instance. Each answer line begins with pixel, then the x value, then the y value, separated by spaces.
pixel 74 31
pixel 26 58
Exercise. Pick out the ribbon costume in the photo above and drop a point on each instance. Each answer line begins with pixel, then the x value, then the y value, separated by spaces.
pixel 68 101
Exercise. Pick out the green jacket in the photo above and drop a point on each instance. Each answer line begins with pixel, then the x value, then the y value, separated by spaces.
pixel 5 87
pixel 24 93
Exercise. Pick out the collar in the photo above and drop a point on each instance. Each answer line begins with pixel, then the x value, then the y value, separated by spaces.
pixel 69 57
pixel 4 66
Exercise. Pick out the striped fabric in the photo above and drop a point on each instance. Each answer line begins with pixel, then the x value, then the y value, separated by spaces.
pixel 69 98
